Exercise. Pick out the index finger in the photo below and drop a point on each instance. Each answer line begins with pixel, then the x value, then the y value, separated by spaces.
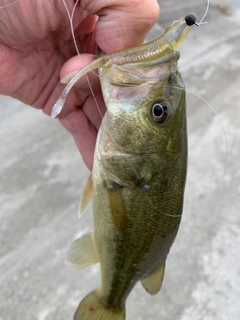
pixel 122 23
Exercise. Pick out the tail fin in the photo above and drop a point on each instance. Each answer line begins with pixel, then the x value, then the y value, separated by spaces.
pixel 90 308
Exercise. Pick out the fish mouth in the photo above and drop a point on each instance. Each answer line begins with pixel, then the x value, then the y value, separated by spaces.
pixel 135 74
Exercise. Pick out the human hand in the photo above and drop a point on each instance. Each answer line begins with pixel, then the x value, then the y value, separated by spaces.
pixel 36 47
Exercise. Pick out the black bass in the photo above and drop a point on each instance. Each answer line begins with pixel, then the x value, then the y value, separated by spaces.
pixel 138 179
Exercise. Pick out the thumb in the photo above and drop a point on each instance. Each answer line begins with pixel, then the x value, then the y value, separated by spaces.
pixel 122 23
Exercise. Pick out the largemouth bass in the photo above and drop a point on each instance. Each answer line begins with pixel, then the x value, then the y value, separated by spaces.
pixel 138 179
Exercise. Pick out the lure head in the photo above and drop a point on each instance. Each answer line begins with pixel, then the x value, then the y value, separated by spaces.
pixel 191 19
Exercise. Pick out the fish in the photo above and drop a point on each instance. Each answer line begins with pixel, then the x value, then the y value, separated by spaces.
pixel 139 172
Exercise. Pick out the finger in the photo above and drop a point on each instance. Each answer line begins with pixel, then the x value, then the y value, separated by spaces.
pixel 83 125
pixel 83 132
pixel 73 65
pixel 122 23
pixel 94 109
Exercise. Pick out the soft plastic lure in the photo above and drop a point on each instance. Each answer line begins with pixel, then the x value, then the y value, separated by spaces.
pixel 168 42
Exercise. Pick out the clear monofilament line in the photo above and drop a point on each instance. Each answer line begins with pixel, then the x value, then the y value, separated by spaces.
pixel 72 29
pixel 204 16
pixel 76 46
pixel 10 4
pixel 60 102
pixel 221 124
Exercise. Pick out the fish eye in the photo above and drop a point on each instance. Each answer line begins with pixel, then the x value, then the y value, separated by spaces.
pixel 160 111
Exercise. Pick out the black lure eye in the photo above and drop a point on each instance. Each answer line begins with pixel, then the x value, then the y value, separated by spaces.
pixel 190 19
pixel 160 111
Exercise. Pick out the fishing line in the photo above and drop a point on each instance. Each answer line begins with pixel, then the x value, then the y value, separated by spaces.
pixel 226 149
pixel 71 16
pixel 204 16
pixel 222 127
pixel 61 101
pixel 225 140
pixel 10 4
pixel 224 135
pixel 72 28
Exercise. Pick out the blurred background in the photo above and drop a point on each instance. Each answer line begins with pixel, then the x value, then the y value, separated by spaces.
pixel 41 176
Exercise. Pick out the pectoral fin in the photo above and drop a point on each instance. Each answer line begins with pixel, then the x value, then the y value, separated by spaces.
pixel 153 283
pixel 86 195
pixel 118 209
pixel 82 252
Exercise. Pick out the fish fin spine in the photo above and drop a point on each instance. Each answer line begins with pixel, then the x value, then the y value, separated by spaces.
pixel 90 308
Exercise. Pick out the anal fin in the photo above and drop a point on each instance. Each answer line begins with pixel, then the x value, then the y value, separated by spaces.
pixel 153 283
pixel 82 252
